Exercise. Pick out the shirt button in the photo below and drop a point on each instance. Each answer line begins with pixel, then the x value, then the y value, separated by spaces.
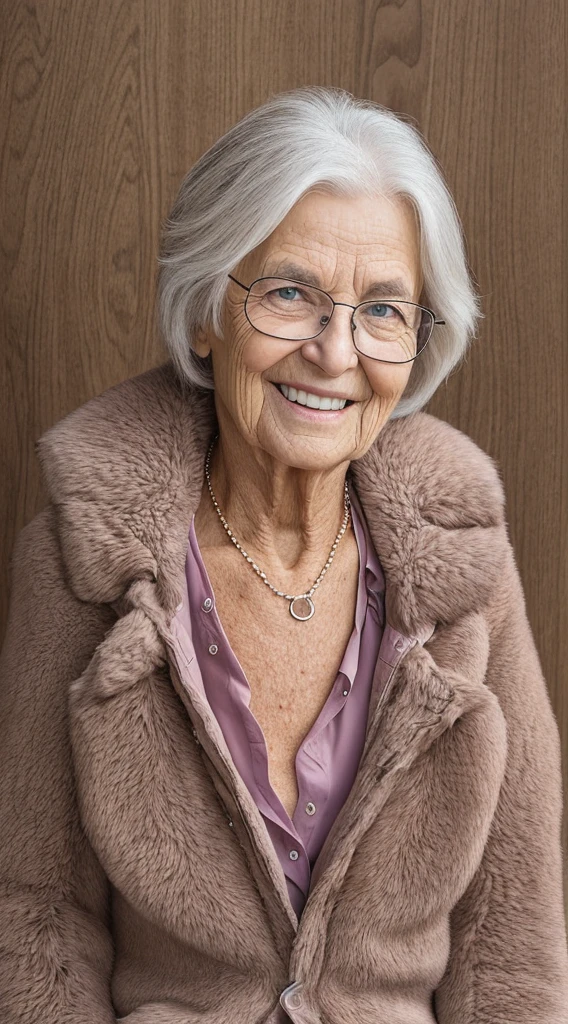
pixel 207 604
pixel 213 648
pixel 345 692
pixel 294 855
pixel 310 808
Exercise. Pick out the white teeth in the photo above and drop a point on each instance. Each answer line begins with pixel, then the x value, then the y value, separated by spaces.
pixel 312 401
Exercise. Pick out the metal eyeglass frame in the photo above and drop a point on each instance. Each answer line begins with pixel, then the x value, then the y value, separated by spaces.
pixel 271 277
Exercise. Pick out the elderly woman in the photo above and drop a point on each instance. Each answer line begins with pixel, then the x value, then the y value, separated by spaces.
pixel 276 741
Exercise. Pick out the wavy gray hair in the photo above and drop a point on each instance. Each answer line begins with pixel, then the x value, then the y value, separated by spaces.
pixel 237 193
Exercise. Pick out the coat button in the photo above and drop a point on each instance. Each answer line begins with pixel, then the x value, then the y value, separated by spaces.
pixel 213 648
pixel 294 855
pixel 399 645
pixel 207 604
pixel 291 998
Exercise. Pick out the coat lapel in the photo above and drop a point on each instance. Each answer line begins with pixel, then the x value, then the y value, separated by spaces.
pixel 125 474
pixel 433 688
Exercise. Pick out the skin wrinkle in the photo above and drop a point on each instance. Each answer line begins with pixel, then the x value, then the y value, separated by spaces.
pixel 384 289
pixel 278 479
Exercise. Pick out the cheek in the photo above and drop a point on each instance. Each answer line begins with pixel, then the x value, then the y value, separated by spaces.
pixel 388 382
pixel 259 354
pixel 232 363
pixel 238 374
pixel 248 351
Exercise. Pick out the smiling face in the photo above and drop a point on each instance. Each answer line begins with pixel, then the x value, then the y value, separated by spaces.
pixel 345 245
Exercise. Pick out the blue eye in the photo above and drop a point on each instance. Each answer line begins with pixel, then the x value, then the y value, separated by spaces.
pixel 383 310
pixel 287 289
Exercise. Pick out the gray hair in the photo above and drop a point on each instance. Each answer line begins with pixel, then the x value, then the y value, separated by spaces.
pixel 236 194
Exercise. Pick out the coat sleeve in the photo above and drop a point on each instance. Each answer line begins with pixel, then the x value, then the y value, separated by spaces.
pixel 508 956
pixel 56 948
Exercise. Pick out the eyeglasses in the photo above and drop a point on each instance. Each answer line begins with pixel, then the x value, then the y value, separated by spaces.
pixel 390 330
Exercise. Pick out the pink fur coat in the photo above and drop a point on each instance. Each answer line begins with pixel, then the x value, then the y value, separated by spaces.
pixel 138 882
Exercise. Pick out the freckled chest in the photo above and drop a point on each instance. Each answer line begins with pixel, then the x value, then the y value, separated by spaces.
pixel 290 666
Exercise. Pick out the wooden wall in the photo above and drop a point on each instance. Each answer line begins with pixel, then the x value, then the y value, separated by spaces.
pixel 106 104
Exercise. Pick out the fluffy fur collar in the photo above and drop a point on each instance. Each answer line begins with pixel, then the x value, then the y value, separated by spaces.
pixel 125 473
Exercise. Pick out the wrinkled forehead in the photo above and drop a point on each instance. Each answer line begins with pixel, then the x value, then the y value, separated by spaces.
pixel 338 241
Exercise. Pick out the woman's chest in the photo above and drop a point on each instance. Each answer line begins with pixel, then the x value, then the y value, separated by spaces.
pixel 290 666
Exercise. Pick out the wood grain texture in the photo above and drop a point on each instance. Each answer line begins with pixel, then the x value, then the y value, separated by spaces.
pixel 106 104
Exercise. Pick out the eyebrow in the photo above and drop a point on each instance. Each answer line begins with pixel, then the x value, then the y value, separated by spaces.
pixel 391 289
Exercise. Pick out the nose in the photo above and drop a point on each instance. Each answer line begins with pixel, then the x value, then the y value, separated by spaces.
pixel 333 350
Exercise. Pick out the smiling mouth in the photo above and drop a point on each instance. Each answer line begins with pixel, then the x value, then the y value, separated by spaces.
pixel 312 401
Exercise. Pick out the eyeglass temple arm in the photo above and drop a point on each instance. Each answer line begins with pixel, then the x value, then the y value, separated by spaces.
pixel 238 282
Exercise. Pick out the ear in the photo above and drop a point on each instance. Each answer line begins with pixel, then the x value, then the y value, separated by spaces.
pixel 201 344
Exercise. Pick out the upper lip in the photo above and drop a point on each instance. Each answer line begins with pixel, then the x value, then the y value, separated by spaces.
pixel 313 390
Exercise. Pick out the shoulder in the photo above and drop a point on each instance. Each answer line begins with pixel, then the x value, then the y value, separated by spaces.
pixel 47 623
pixel 435 506
pixel 436 472
pixel 135 408
pixel 123 473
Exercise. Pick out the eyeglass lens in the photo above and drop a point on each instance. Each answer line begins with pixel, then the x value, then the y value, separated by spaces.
pixel 393 331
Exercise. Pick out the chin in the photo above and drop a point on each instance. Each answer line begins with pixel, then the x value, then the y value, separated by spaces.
pixel 308 452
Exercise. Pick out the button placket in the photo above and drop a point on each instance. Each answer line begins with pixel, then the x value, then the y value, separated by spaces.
pixel 207 606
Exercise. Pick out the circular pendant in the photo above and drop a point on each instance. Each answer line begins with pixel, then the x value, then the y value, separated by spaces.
pixel 308 605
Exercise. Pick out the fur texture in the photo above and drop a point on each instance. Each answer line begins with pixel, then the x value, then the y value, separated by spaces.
pixel 137 880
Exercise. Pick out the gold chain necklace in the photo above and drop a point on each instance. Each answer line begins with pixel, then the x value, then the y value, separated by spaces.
pixel 307 597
